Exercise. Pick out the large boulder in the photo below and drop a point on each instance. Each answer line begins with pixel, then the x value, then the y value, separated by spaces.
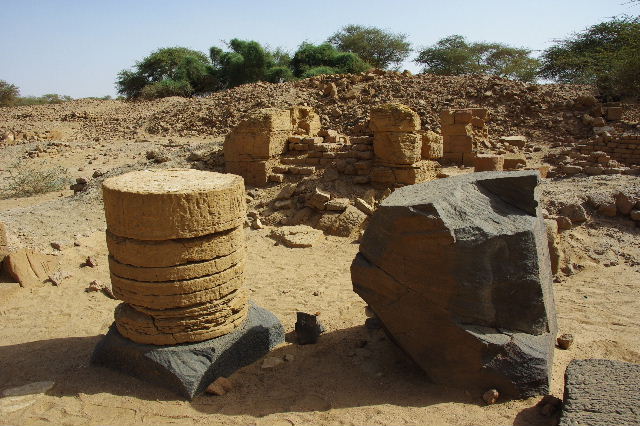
pixel 458 272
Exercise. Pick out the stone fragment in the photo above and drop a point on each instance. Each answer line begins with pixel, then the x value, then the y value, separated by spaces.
pixel 29 268
pixel 178 272
pixel 347 224
pixel 565 341
pixel 298 236
pixel 608 209
pixel 635 215
pixel 337 204
pixel 308 328
pixel 189 368
pixel 394 117
pixel 165 204
pixel 219 387
pixel 517 141
pixel 601 392
pixel 554 250
pixel 514 161
pixel 458 272
pixel 488 163
pixel 549 405
pixel 286 192
pixel 575 212
pixel 177 251
pixel 624 203
pixel 364 206
pixel 564 223
pixel 271 362
pixel 318 199
pixel 491 396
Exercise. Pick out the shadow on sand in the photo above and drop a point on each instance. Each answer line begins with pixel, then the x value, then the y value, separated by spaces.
pixel 352 367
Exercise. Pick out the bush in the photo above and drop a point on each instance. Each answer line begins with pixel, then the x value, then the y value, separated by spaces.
pixel 319 71
pixel 8 93
pixel 166 88
pixel 325 56
pixel 606 54
pixel 453 55
pixel 25 182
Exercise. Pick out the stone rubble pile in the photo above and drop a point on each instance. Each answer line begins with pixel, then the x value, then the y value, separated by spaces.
pixel 176 254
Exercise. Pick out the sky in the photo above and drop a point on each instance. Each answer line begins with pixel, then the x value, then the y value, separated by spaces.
pixel 77 47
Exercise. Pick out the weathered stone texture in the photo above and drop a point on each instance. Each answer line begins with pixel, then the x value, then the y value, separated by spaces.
pixel 173 203
pixel 458 272
pixel 601 392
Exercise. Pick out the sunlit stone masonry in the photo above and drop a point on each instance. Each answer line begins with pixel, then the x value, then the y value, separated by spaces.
pixel 176 258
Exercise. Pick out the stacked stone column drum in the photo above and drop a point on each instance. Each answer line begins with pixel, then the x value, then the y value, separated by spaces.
pixel 176 254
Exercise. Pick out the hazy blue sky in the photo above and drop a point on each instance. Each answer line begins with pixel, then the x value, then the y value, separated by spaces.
pixel 77 47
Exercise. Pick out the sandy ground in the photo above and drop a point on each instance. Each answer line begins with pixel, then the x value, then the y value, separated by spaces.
pixel 352 376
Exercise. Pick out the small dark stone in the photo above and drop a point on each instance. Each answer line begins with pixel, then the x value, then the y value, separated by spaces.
pixel 308 328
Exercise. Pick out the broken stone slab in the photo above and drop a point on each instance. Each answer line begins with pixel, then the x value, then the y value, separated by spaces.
pixel 601 392
pixel 458 271
pixel 29 267
pixel 346 224
pixel 298 236
pixel 188 369
pixel 517 141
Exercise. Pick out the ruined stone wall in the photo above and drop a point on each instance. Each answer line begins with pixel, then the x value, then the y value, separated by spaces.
pixel 462 129
pixel 624 148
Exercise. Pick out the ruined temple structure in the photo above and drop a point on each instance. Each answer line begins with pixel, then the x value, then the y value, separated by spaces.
pixel 270 144
pixel 176 257
pixel 458 272
pixel 462 130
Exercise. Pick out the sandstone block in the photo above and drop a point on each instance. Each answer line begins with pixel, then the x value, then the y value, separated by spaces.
pixel 514 161
pixel 173 203
pixel 517 141
pixel 318 199
pixel 614 113
pixel 431 145
pixel 299 236
pixel 172 294
pixel 488 163
pixel 29 267
pixel 458 272
pixel 393 117
pixel 458 143
pixel 175 252
pixel 397 147
pixel 305 120
pixel 446 117
pixel 469 159
pixel 462 116
pixel 179 272
pixel 256 173
pixel 346 224
pixel 458 129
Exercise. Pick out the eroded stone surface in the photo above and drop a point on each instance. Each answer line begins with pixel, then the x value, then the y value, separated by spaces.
pixel 173 203
pixel 601 392
pixel 176 251
pixel 458 271
pixel 178 272
pixel 298 236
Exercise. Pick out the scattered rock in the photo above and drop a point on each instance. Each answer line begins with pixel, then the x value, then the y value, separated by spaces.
pixel 286 192
pixel 56 245
pixel 549 405
pixel 564 223
pixel 90 262
pixel 624 203
pixel 297 236
pixel 608 209
pixel 308 328
pixel 364 206
pixel 257 224
pixel 219 387
pixel 565 341
pixel 491 396
pixel 105 289
pixel 337 204
pixel 575 212
pixel 318 199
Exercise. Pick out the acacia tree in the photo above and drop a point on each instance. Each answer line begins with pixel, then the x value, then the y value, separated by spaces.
pixel 454 55
pixel 172 71
pixel 311 59
pixel 8 93
pixel 606 54
pixel 378 47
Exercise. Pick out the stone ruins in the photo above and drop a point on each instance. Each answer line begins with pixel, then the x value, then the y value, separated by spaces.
pixel 176 258
pixel 271 143
pixel 458 272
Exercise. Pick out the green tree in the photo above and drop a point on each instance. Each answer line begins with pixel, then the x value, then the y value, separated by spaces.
pixel 248 62
pixel 8 93
pixel 606 54
pixel 453 55
pixel 312 59
pixel 172 71
pixel 380 48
